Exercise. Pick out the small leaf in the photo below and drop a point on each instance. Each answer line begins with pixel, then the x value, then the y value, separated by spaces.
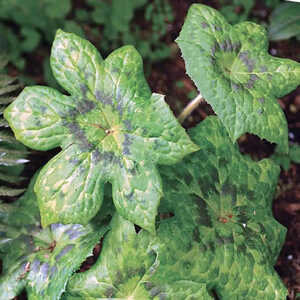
pixel 7 191
pixel 235 74
pixel 40 260
pixel 9 89
pixel 3 123
pixel 111 129
pixel 11 178
pixel 285 21
pixel 295 153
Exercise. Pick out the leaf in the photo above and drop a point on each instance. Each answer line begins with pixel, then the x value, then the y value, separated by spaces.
pixel 235 74
pixel 31 39
pixel 40 260
pixel 295 153
pixel 12 153
pixel 285 21
pixel 196 251
pixel 111 129
pixel 7 191
pixel 131 270
pixel 230 214
pixel 12 157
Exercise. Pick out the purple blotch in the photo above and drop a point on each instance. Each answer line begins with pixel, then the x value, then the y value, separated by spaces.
pixel 105 99
pixel 129 197
pixel 128 125
pixel 236 46
pixel 250 63
pixel 261 100
pixel 162 296
pixel 43 109
pixel 229 45
pixel 85 106
pixel 204 25
pixel 127 142
pixel 56 226
pixel 263 69
pixel 223 46
pixel 44 270
pixel 154 291
pixel 235 86
pixel 63 252
pixel 35 265
pixel 74 161
pixel 251 81
pixel 79 133
pixel 260 111
pixel 109 292
pixel 75 235
pixel 217 28
pixel 83 89
pixel 148 285
pixel 116 70
pixel 214 49
pixel 53 270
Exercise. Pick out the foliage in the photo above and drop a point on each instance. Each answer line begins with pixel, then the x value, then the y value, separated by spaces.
pixel 285 160
pixel 116 18
pixel 205 211
pixel 102 127
pixel 37 22
pixel 222 229
pixel 237 10
pixel 285 22
pixel 36 19
pixel 13 154
pixel 233 70
pixel 41 260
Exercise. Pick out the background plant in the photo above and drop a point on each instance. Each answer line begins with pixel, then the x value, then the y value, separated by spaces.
pixel 36 23
pixel 13 153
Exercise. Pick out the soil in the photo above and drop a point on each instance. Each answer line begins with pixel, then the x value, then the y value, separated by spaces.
pixel 165 77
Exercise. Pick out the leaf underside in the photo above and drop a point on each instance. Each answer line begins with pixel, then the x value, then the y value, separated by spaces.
pixel 235 74
pixel 40 260
pixel 111 129
pixel 222 237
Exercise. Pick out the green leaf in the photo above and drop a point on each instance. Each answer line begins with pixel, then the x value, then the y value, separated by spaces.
pixel 58 9
pixel 111 129
pixel 7 191
pixel 12 157
pixel 285 21
pixel 40 260
pixel 230 215
pixel 235 74
pixel 132 270
pixel 196 251
pixel 295 153
pixel 31 39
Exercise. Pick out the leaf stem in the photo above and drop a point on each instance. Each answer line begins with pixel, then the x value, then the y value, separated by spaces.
pixel 190 107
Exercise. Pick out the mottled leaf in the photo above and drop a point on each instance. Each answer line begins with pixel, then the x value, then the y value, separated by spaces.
pixel 111 129
pixel 130 266
pixel 234 72
pixel 230 214
pixel 40 260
